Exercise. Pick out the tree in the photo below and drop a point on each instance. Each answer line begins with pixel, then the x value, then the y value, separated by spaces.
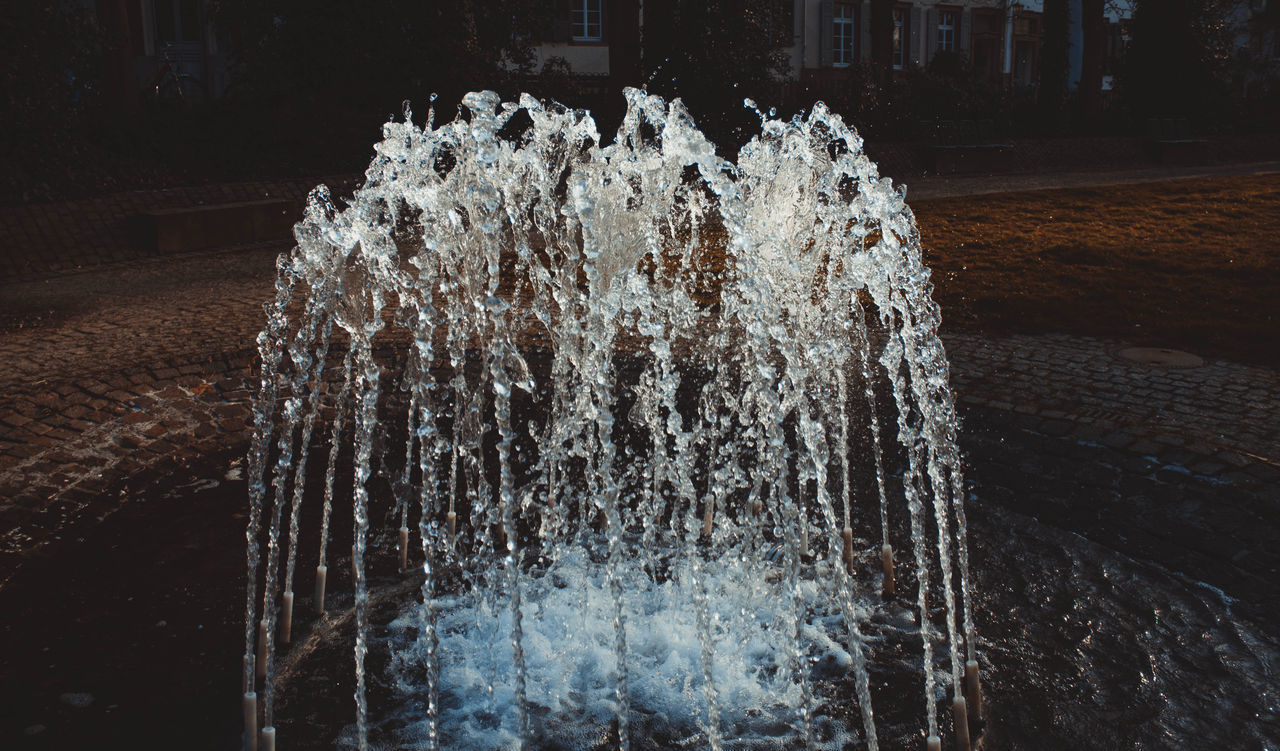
pixel 1054 64
pixel 715 53
pixel 312 80
pixel 1093 24
pixel 336 54
pixel 1178 58
pixel 48 92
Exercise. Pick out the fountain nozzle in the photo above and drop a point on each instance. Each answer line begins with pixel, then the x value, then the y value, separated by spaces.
pixel 973 687
pixel 960 715
pixel 286 618
pixel 886 562
pixel 249 703
pixel 322 573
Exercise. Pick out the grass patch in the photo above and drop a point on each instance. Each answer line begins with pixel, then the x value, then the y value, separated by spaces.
pixel 1189 264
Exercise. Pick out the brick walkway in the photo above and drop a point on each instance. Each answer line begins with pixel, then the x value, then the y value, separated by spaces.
pixel 1219 421
pixel 146 363
pixel 114 371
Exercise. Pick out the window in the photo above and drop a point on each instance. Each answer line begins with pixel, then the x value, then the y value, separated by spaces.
pixel 842 31
pixel 585 20
pixel 946 31
pixel 899 38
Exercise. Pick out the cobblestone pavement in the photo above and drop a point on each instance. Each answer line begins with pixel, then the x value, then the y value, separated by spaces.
pixel 116 377
pixel 146 363
pixel 1219 421
pixel 111 372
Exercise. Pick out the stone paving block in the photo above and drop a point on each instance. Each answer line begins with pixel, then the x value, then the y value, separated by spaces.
pixel 1263 471
pixel 230 411
pixel 1207 467
pixel 1086 432
pixel 1179 456
pixel 43 440
pixel 1055 427
pixel 1233 459
pixel 169 393
pixel 137 418
pixel 1118 439
pixel 95 387
pixel 126 441
pixel 1144 446
pixel 15 419
pixel 29 499
pixel 46 399
pixel 92 485
pixel 231 425
pixel 76 411
pixel 1237 477
pixel 1172 476
pixel 24 451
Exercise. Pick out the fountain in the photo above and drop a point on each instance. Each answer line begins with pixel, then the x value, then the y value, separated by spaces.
pixel 628 415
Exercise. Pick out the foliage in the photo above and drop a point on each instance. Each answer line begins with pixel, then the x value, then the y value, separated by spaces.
pixel 1054 65
pixel 352 64
pixel 715 53
pixel 949 89
pixel 48 87
pixel 1179 58
pixel 946 89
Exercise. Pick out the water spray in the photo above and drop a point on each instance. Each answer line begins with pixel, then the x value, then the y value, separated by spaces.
pixel 627 350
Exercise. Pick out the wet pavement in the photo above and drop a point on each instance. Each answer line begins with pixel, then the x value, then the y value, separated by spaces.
pixel 115 371
pixel 123 373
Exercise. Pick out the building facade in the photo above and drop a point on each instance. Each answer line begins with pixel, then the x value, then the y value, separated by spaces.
pixel 160 46
pixel 1000 39
pixel 826 43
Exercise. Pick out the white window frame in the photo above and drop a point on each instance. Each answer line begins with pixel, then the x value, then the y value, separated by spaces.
pixel 946 31
pixel 843 33
pixel 586 16
pixel 900 38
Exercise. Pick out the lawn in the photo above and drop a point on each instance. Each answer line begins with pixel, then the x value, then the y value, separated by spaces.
pixel 1188 264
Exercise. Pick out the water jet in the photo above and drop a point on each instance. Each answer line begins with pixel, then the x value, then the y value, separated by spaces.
pixel 611 383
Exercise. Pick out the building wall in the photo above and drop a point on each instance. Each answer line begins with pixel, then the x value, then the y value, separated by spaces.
pixel 584 58
pixel 614 56
pixel 138 58
pixel 815 18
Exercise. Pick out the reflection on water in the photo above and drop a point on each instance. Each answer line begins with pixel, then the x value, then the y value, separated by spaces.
pixel 1092 649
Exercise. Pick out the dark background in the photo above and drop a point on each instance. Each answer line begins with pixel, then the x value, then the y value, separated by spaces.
pixel 300 87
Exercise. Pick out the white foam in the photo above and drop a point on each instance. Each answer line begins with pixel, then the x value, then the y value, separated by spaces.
pixel 568 641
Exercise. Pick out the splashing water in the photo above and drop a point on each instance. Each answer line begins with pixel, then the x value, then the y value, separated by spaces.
pixel 630 395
